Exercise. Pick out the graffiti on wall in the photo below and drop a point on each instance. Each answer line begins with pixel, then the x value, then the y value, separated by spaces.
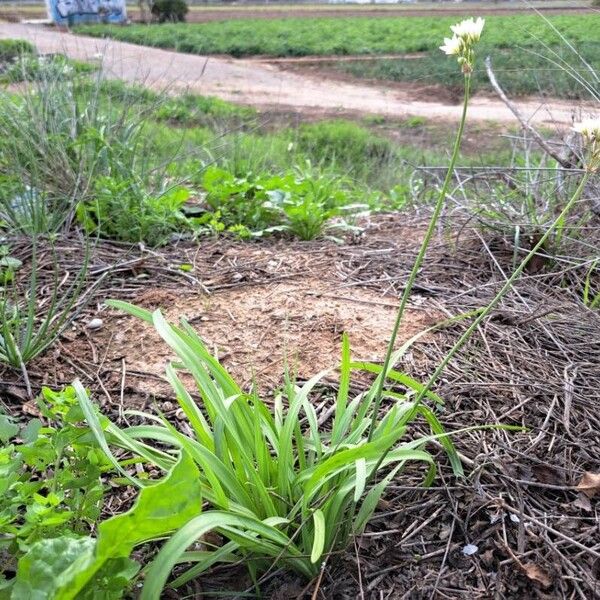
pixel 71 12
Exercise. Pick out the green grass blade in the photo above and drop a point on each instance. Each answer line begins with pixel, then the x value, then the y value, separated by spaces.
pixel 319 536
pixel 361 478
pixel 94 424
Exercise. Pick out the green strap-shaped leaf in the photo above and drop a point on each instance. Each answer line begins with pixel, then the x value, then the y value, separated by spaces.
pixel 159 570
pixel 319 536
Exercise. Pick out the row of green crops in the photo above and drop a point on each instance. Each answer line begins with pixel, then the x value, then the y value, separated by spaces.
pixel 529 53
pixel 540 73
pixel 346 36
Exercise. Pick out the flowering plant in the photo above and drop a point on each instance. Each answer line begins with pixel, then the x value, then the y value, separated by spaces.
pixel 465 35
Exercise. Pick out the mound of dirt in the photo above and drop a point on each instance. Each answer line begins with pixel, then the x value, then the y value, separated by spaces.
pixel 256 330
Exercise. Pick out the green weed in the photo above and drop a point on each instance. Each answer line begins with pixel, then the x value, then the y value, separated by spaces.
pixel 122 209
pixel 65 147
pixel 30 67
pixel 49 478
pixel 301 202
pixel 25 331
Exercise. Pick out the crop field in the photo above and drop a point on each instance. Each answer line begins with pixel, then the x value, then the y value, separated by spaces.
pixel 525 72
pixel 346 36
pixel 252 348
pixel 529 53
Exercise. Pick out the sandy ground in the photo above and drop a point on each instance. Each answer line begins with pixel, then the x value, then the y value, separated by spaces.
pixel 256 83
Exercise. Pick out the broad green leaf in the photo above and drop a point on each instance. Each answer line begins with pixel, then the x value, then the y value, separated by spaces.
pixel 8 429
pixel 344 387
pixel 42 571
pixel 371 500
pixel 159 510
pixel 10 262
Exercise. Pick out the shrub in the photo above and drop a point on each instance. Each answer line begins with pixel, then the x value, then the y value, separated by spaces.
pixel 173 11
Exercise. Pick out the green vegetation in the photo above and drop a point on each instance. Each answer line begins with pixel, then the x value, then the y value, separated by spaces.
pixel 20 62
pixel 169 11
pixel 26 329
pixel 279 487
pixel 11 49
pixel 301 203
pixel 129 164
pixel 50 480
pixel 529 56
pixel 279 483
pixel 519 73
pixel 345 36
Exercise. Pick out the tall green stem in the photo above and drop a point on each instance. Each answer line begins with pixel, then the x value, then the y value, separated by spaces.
pixel 420 256
pixel 494 302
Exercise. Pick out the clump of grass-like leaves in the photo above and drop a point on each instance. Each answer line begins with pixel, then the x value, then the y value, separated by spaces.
pixel 59 137
pixel 279 485
pixel 30 319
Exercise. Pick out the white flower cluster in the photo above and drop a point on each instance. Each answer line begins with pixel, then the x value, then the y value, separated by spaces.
pixel 469 30
pixel 466 33
pixel 452 46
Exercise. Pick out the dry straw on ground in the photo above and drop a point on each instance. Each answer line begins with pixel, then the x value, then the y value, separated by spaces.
pixel 527 504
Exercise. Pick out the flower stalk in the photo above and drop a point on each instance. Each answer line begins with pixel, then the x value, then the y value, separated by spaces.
pixel 461 44
pixel 494 302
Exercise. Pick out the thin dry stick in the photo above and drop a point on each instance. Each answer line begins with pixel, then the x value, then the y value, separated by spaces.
pixel 536 136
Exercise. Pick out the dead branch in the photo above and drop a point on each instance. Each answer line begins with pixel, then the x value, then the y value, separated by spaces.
pixel 567 164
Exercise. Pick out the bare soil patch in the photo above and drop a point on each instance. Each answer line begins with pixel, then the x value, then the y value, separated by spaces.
pixel 258 330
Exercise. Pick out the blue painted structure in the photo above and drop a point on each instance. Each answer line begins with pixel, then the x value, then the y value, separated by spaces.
pixel 73 12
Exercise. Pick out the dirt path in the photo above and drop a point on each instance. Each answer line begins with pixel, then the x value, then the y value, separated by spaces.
pixel 258 84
